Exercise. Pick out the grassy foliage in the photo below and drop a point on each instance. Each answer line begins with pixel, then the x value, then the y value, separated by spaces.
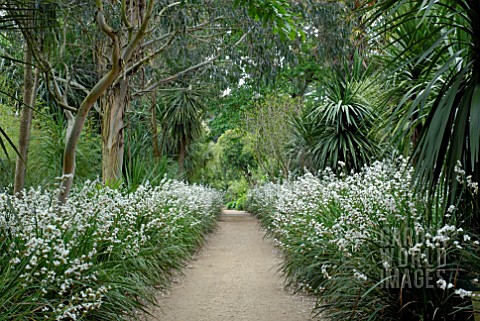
pixel 443 45
pixel 361 243
pixel 140 166
pixel 98 256
pixel 9 122
pixel 46 150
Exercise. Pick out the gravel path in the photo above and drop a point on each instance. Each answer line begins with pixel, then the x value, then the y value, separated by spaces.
pixel 233 278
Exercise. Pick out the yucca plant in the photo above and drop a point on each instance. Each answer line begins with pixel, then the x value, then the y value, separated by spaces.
pixel 451 94
pixel 344 117
pixel 182 116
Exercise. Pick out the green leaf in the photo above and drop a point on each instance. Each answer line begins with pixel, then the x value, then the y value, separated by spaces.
pixel 2 144
pixel 475 125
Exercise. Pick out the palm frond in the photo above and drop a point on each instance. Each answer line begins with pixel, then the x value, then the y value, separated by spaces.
pixel 448 97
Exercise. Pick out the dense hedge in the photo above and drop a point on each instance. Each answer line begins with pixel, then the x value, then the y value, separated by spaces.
pixel 98 256
pixel 368 247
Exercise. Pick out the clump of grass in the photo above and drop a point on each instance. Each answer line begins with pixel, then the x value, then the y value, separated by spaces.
pixel 98 256
pixel 369 248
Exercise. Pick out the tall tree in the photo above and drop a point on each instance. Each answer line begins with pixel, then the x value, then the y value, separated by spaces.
pixel 18 15
pixel 133 15
pixel 199 38
pixel 120 53
pixel 31 83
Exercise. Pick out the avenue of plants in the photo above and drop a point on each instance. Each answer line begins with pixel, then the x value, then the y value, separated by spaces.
pixel 350 129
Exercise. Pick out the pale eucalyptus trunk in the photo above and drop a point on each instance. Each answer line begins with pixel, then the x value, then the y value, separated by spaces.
pixel 29 97
pixel 153 114
pixel 76 123
pixel 119 56
pixel 181 157
pixel 114 106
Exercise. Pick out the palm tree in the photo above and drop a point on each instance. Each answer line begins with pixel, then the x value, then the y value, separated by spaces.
pixel 451 96
pixel 406 77
pixel 338 128
pixel 182 117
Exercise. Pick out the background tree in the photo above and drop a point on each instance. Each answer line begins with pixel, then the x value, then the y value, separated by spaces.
pixel 237 157
pixel 181 116
pixel 267 125
pixel 36 18
pixel 32 19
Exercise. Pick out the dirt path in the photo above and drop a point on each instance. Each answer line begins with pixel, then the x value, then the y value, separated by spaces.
pixel 233 278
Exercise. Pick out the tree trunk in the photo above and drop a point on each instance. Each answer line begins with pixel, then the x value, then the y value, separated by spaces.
pixel 156 150
pixel 29 96
pixel 116 103
pixel 113 110
pixel 181 157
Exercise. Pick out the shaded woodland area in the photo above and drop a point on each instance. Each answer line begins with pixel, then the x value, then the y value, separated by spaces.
pixel 317 116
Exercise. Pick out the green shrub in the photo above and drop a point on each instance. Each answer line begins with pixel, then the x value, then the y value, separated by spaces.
pixel 236 155
pixel 363 245
pixel 98 256
pixel 236 194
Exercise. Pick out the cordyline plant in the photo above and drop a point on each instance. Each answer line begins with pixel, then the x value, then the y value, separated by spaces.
pixel 448 99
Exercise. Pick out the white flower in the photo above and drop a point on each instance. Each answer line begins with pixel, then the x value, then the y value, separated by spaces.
pixel 360 276
pixel 442 284
pixel 464 293
pixel 54 261
pixel 458 168
pixel 226 92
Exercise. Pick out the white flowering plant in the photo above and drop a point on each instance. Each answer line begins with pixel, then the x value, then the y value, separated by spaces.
pixel 369 247
pixel 98 256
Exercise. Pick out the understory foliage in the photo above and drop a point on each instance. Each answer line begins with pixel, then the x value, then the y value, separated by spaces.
pixel 361 244
pixel 98 256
